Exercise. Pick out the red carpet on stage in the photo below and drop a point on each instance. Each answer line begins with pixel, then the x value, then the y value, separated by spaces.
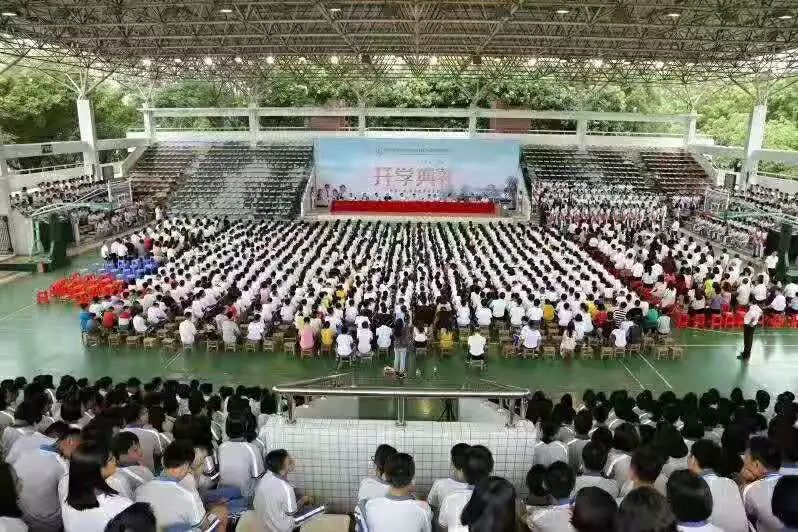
pixel 432 208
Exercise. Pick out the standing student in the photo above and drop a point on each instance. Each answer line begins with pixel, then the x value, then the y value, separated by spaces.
pixel 129 474
pixel 376 486
pixel 401 335
pixel 750 322
pixel 398 511
pixel 90 502
pixel 491 507
pixel 443 487
pixel 549 449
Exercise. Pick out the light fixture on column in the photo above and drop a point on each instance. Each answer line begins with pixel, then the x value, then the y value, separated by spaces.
pixel 238 60
pixel 146 61
pixel 208 60
pixel 433 60
pixel 269 59
pixel 334 59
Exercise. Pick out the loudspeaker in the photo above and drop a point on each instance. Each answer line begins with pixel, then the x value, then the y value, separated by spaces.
pixel 730 180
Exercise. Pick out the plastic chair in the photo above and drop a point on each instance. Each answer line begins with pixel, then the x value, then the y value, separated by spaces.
pixel 716 321
pixel 682 320
pixel 699 321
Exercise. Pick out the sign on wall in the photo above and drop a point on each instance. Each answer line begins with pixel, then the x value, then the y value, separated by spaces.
pixel 415 169
pixel 47 148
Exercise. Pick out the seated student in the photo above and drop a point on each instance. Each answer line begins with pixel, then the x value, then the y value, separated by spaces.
pixel 594 458
pixel 491 507
pixel 174 504
pixel 445 339
pixel 625 440
pixel 364 339
pixel 557 517
pixel 761 461
pixel 327 335
pixel 443 487
pixel 187 330
pixel 397 511
pixel 35 440
pixel 644 469
pixel 26 417
pixel 307 336
pixel 384 334
pixel 90 502
pixel 138 517
pixel 583 422
pixel 137 422
pixel 38 474
pixel 10 514
pixel 129 474
pixel 275 501
pixel 478 465
pixel 691 501
pixel 645 510
pixel 594 510
pixel 785 493
pixel 549 450
pixel 240 461
pixel 343 345
pixel 476 346
pixel 728 513
pixel 376 486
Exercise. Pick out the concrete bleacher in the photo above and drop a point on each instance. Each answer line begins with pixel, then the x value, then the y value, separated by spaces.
pixel 160 169
pixel 233 179
pixel 675 172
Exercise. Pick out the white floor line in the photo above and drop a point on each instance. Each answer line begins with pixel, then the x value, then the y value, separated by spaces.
pixel 171 360
pixel 656 371
pixel 629 371
pixel 766 332
pixel 11 315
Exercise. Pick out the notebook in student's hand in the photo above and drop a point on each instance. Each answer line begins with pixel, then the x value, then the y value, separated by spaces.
pixel 306 514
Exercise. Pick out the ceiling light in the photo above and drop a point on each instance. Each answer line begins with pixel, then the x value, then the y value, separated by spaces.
pixel 785 17
pixel 225 10
pixel 597 62
pixel 673 15
pixel 334 59
pixel 237 60
pixel 8 14
pixel 659 64
pixel 433 60
pixel 335 10
pixel 208 61
pixel 563 11
pixel 178 60
pixel 302 60
pixel 146 61
pixel 531 61
pixel 269 59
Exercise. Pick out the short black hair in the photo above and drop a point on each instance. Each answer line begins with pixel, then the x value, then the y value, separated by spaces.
pixel 689 496
pixel 275 460
pixel 458 455
pixel 400 470
pixel 594 456
pixel 583 421
pixel 765 451
pixel 560 480
pixel 122 443
pixel 536 480
pixel 478 464
pixel 138 517
pixel 647 463
pixel 179 453
pixel 381 456
pixel 603 436
pixel 783 501
pixel 645 510
pixel 626 438
pixel 707 453
pixel 594 510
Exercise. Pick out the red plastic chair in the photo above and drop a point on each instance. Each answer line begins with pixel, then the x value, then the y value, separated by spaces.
pixel 682 320
pixel 42 297
pixel 739 320
pixel 699 321
pixel 729 320
pixel 793 321
pixel 724 308
pixel 716 321
pixel 777 321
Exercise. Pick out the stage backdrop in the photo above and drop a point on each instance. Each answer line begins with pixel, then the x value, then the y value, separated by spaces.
pixel 415 169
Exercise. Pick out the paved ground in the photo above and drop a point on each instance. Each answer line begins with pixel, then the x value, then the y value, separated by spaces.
pixel 36 339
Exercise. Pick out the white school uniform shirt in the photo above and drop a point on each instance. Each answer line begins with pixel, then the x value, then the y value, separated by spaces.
pixel 27 443
pixel 188 332
pixel 397 514
pixel 548 453
pixel 172 503
pixel 12 524
pixel 760 292
pixel 556 518
pixel 516 313
pixel 530 337
pixel 38 475
pixel 364 337
pixel 343 345
pixel 753 315
pixel 476 345
pixel 728 512
pixel 275 503
pixel 128 479
pixel 442 488
pixel 452 509
pixel 240 466
pixel 757 497
pixel 150 443
pixel 484 316
pixel 384 336
pixel 255 331
pixel 94 518
pixel 371 488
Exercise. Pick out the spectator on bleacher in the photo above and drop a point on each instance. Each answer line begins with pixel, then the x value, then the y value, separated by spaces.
pixel 491 507
pixel 761 464
pixel 691 501
pixel 397 511
pixel 594 510
pixel 378 486
pixel 728 513
pixel 645 510
pixel 559 481
pixel 594 460
pixel 644 469
pixel 783 503
pixel 549 449
pixel 130 474
pixel 443 487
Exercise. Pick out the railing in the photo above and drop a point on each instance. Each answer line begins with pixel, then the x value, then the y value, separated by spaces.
pixel 345 385
pixel 776 175
pixel 43 169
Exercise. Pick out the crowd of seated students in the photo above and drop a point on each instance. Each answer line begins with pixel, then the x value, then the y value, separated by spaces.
pixel 562 204
pixel 768 198
pixel 613 463
pixel 48 192
pixel 747 236
pixel 88 457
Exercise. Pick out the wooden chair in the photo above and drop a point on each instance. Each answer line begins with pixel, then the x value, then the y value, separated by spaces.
pixel 661 351
pixel 170 342
pixel 150 342
pixel 306 353
pixel 472 363
pixel 619 352
pixel 648 344
pixel 93 340
pixel 268 345
pixel 230 346
pixel 289 346
pixel 509 350
pixel 677 352
pixel 368 357
pixel 549 351
pixel 567 353
pixel 325 349
pixel 161 334
pixel 421 351
pixel 114 340
pixel 587 352
pixel 343 360
pixel 212 345
pixel 607 352
pixel 384 351
pixel 251 346
pixel 634 349
pixel 529 353
pixel 133 340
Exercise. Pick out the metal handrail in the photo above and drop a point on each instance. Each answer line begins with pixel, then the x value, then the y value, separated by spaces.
pixel 315 387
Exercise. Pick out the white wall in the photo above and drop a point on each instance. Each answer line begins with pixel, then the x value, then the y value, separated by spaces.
pixel 787 185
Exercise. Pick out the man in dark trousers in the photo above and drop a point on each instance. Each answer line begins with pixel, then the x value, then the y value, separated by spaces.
pixel 750 323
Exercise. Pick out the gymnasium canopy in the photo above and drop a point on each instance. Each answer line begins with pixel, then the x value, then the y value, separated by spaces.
pixel 622 41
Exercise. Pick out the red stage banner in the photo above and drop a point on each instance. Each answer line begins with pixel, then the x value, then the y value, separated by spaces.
pixel 431 208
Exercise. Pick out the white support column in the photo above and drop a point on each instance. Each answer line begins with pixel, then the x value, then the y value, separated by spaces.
pixel 690 124
pixel 361 118
pixel 88 134
pixel 149 123
pixel 254 124
pixel 581 134
pixel 755 137
pixel 5 185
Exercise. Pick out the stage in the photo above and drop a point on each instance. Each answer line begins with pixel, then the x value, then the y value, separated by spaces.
pixel 415 208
